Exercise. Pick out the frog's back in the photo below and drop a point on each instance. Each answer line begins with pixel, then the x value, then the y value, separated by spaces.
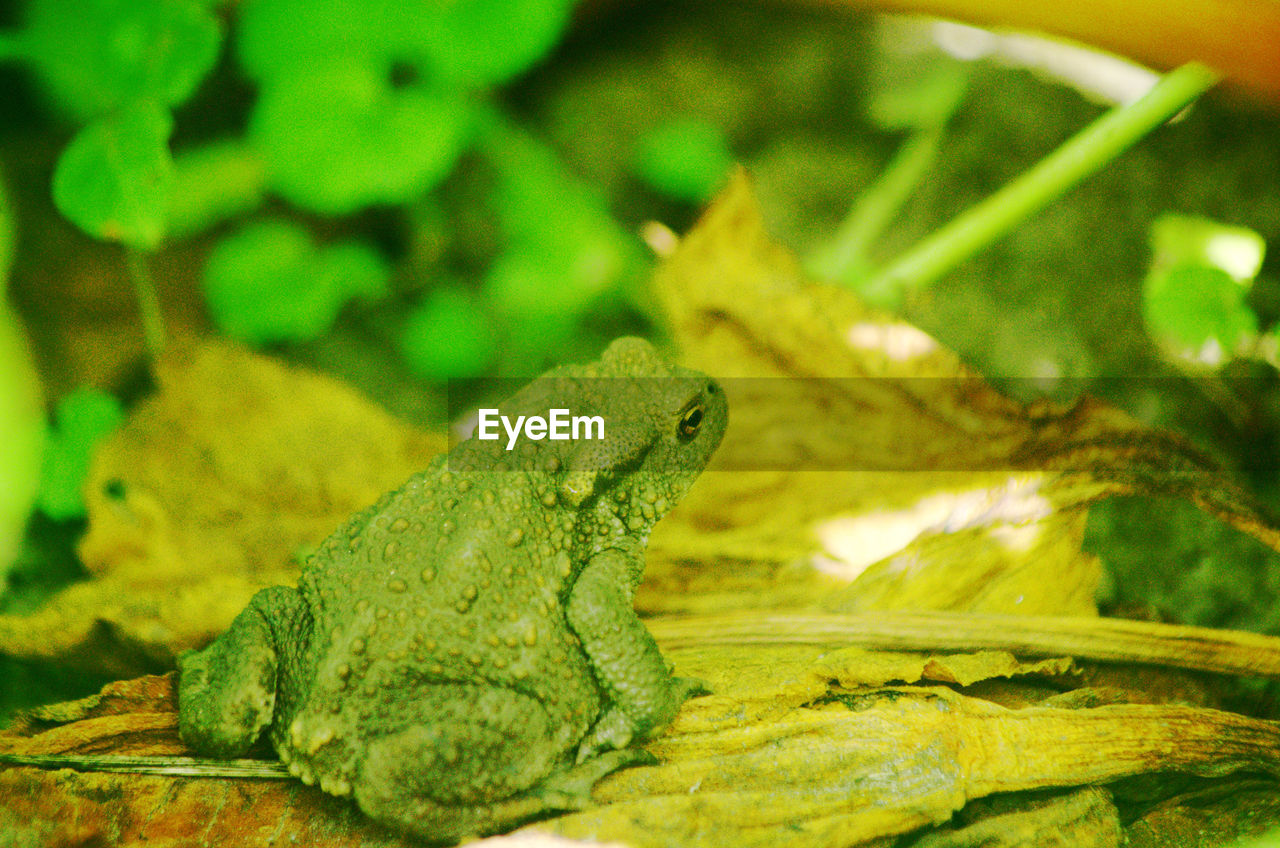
pixel 455 577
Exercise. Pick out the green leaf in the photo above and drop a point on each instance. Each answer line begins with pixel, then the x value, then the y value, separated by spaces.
pixel 448 335
pixel 1195 297
pixel 114 179
pixel 564 248
pixel 269 283
pixel 84 417
pixel 686 160
pixel 909 94
pixel 1192 240
pixel 461 43
pixel 485 42
pixel 97 56
pixel 1187 307
pixel 279 38
pixel 214 183
pixel 338 138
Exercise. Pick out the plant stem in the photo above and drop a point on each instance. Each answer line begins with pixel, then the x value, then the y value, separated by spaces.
pixel 148 303
pixel 1087 152
pixel 845 254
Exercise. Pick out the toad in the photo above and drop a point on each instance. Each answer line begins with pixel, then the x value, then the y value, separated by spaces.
pixel 464 655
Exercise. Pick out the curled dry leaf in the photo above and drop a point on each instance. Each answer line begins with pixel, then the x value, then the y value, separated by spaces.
pixel 794 748
pixel 1085 818
pixel 64 808
pixel 849 767
pixel 214 487
pixel 854 667
pixel 870 468
pixel 1210 816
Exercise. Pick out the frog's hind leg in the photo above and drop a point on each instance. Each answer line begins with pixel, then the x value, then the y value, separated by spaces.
pixel 227 692
pixel 486 760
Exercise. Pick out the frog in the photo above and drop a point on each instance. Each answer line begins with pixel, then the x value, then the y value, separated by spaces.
pixel 464 655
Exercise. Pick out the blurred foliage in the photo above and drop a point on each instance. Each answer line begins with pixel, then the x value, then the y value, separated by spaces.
pixel 83 418
pixel 562 249
pixel 686 160
pixel 8 236
pixel 447 335
pixel 21 407
pixel 94 57
pixel 115 177
pixel 269 283
pixel 906 95
pixel 357 106
pixel 339 137
pixel 1196 294
pixel 1174 563
pixel 213 183
pixel 1192 305
pixel 910 94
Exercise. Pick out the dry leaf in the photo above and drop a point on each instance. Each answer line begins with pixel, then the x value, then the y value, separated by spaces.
pixel 890 762
pixel 1209 817
pixel 139 717
pixel 889 475
pixel 1086 818
pixel 776 757
pixel 858 667
pixel 214 487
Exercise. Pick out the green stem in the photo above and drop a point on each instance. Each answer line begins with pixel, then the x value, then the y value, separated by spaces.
pixel 846 253
pixel 148 303
pixel 1088 151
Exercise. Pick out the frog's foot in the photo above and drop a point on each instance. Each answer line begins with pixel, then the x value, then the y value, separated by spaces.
pixel 690 687
pixel 227 692
pixel 617 728
pixel 571 789
pixel 614 731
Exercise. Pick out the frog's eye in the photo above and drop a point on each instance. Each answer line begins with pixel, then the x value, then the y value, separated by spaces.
pixel 690 421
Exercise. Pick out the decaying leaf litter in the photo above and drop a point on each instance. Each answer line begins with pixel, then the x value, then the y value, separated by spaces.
pixel 937 493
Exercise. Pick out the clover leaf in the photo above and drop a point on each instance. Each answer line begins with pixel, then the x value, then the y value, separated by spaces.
pixel 270 283
pixel 687 160
pixel 448 335
pixel 340 137
pixel 97 56
pixel 82 419
pixel 114 179
pixel 485 42
pixel 1195 297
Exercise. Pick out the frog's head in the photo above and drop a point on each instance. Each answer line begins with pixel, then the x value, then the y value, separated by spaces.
pixel 662 423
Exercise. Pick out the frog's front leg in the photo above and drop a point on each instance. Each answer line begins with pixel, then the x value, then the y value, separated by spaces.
pixel 641 693
pixel 227 692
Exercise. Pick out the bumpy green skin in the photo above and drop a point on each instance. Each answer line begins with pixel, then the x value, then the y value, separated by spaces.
pixel 464 654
